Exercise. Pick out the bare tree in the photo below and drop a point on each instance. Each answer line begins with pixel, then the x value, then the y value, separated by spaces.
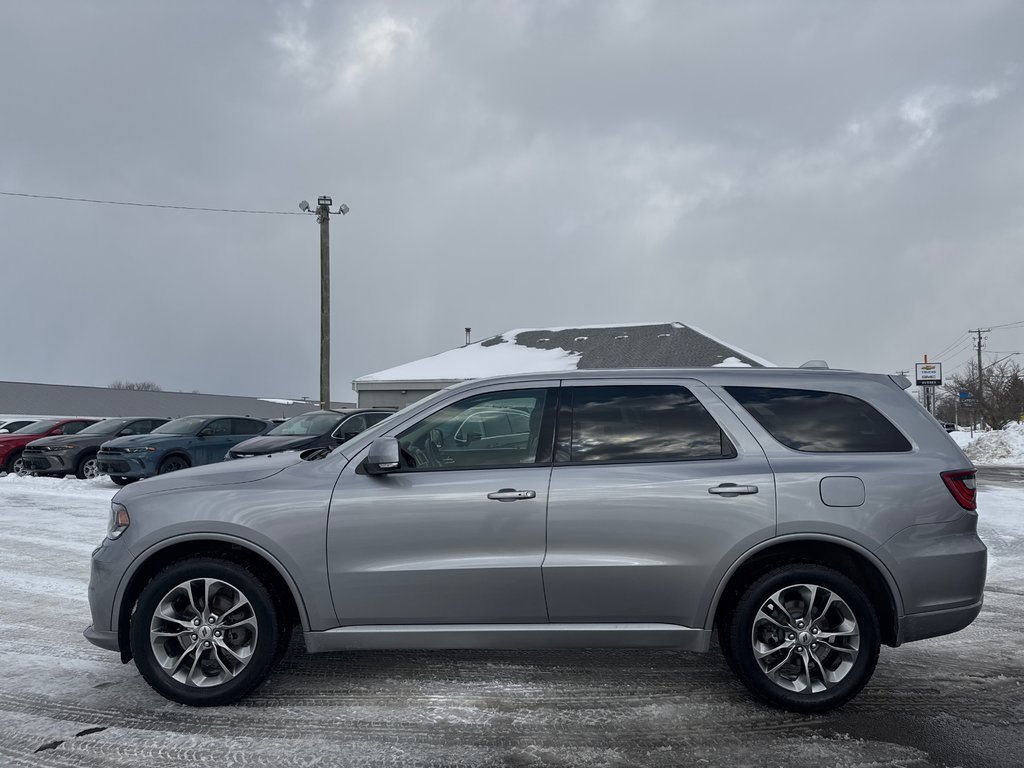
pixel 141 386
pixel 1001 401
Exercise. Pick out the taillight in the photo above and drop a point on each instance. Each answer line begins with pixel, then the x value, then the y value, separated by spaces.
pixel 963 487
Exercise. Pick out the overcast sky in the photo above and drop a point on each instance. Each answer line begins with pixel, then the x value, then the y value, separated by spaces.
pixel 804 180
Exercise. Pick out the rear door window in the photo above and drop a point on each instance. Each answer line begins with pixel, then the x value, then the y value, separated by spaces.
pixel 820 422
pixel 246 427
pixel 637 423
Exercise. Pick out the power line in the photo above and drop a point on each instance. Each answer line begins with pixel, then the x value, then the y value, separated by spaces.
pixel 155 205
pixel 1009 325
pixel 957 341
pixel 967 344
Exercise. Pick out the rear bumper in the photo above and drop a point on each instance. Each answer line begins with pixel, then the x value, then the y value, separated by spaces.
pixel 920 626
pixel 105 640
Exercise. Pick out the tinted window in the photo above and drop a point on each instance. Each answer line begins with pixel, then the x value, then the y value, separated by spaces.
pixel 14 426
pixel 819 422
pixel 351 427
pixel 188 425
pixel 374 418
pixel 218 428
pixel 38 427
pixel 108 427
pixel 642 423
pixel 246 427
pixel 74 427
pixel 457 437
pixel 308 424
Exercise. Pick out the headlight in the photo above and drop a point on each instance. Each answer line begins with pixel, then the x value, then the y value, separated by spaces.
pixel 119 520
pixel 59 448
pixel 139 450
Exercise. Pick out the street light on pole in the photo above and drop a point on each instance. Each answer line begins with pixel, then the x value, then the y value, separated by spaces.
pixel 323 216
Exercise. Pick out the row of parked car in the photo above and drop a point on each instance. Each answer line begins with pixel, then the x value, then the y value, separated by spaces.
pixel 132 448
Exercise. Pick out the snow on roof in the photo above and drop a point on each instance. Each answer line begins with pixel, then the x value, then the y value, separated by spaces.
pixel 537 350
pixel 475 361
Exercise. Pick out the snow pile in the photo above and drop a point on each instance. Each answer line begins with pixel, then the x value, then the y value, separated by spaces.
pixel 1002 446
pixel 961 438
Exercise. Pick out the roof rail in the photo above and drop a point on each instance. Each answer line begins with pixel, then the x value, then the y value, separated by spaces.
pixel 815 364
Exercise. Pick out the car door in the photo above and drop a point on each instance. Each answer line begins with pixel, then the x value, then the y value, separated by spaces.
pixel 656 489
pixel 453 536
pixel 212 442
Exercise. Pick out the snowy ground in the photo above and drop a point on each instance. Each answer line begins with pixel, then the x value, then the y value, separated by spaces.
pixel 950 701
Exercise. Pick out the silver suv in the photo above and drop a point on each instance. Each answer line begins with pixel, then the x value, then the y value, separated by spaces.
pixel 805 516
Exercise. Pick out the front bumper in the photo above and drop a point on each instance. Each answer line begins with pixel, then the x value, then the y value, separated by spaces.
pixel 108 564
pixel 46 462
pixel 126 465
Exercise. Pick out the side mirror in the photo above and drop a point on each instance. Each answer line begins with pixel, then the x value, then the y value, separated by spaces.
pixel 205 432
pixel 382 457
pixel 125 432
pixel 58 431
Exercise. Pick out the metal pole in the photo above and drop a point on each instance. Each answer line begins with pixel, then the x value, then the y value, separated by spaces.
pixel 323 213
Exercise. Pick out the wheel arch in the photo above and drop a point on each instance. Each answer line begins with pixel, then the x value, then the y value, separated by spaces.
pixel 267 567
pixel 176 453
pixel 855 562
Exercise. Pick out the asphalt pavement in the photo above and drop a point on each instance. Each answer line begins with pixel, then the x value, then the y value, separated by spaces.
pixel 952 701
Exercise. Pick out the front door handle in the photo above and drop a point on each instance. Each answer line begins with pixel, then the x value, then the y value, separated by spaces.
pixel 511 494
pixel 731 489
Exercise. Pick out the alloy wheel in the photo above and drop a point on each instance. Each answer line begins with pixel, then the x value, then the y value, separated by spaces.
pixel 203 632
pixel 805 638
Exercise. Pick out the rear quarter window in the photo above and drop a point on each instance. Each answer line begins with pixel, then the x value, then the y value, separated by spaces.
pixel 820 422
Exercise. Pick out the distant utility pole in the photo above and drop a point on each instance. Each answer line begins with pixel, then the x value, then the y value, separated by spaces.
pixel 323 216
pixel 980 396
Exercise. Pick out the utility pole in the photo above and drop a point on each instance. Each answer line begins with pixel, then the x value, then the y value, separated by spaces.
pixel 980 394
pixel 323 216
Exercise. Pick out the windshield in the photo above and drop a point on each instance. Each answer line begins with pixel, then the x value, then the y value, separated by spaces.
pixel 108 427
pixel 38 428
pixel 308 424
pixel 186 426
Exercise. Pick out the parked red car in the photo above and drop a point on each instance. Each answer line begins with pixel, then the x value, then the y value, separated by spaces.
pixel 12 445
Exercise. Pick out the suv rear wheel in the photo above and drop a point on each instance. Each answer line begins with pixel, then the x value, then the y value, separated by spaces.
pixel 802 637
pixel 205 632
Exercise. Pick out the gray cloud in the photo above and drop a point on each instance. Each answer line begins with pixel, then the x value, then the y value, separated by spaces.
pixel 835 180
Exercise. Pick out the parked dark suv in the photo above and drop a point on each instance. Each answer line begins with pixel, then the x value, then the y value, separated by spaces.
pixel 178 444
pixel 63 454
pixel 316 429
pixel 805 517
pixel 12 445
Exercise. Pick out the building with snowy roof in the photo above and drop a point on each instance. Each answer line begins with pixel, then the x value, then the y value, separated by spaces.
pixel 534 350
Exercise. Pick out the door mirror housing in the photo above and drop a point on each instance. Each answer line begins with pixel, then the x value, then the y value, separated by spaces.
pixel 58 431
pixel 382 457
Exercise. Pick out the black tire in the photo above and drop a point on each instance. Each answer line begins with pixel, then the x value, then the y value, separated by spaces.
pixel 172 464
pixel 82 471
pixel 119 480
pixel 229 579
pixel 800 661
pixel 14 463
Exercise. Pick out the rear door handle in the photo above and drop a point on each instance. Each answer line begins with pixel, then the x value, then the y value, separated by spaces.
pixel 731 489
pixel 511 494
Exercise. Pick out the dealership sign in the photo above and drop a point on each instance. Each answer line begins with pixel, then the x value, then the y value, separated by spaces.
pixel 929 374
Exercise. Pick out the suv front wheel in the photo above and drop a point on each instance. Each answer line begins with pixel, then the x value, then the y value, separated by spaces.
pixel 205 632
pixel 803 637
